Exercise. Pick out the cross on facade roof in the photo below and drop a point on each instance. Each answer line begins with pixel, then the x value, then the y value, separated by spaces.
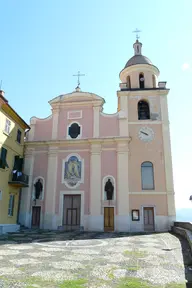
pixel 78 78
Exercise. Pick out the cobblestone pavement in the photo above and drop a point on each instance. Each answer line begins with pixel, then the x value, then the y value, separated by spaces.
pixel 73 259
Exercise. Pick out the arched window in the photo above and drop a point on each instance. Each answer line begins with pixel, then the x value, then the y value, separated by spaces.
pixel 143 110
pixel 153 81
pixel 128 82
pixel 141 81
pixel 147 176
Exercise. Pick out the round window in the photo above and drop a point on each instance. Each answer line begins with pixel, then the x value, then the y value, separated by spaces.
pixel 74 130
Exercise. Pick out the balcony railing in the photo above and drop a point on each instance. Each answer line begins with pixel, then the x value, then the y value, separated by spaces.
pixel 19 179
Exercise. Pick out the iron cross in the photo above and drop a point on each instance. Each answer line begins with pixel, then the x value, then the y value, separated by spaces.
pixel 137 31
pixel 78 79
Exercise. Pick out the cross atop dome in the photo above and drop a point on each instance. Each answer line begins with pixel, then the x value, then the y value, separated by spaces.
pixel 137 45
pixel 137 33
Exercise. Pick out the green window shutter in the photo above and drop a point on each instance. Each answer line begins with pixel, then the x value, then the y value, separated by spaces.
pixel 16 163
pixel 3 158
pixel 11 205
pixel 20 168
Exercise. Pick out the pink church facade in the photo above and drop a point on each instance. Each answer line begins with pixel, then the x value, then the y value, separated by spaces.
pixel 101 172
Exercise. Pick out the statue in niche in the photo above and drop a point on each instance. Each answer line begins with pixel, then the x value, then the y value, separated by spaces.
pixel 109 189
pixel 38 189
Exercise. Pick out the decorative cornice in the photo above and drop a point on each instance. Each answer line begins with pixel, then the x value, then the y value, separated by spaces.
pixel 95 148
pixel 75 142
pixel 29 151
pixel 143 93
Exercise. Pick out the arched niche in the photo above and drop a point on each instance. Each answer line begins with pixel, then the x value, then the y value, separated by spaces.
pixel 154 81
pixel 41 197
pixel 112 181
pixel 128 82
pixel 141 81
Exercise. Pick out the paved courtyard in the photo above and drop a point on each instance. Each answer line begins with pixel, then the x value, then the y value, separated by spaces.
pixel 74 259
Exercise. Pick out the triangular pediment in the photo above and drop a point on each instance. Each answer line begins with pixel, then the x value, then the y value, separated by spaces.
pixel 77 97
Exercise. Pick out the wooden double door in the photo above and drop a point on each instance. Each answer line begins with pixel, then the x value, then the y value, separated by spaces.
pixel 149 219
pixel 108 219
pixel 71 212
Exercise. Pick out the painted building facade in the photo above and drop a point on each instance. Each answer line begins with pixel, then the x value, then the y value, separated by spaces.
pixel 12 178
pixel 101 172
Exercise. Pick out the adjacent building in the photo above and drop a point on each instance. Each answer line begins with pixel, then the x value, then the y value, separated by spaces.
pixel 12 178
pixel 103 172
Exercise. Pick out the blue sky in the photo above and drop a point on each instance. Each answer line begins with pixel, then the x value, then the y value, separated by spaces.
pixel 43 43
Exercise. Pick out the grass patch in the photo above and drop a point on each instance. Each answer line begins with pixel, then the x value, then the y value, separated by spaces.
pixel 135 253
pixel 110 275
pixel 73 283
pixel 133 283
pixel 174 285
pixel 133 268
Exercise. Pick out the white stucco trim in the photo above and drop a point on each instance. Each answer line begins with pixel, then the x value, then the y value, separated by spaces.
pixel 123 183
pixel 74 111
pixel 33 188
pixel 33 119
pixel 62 193
pixel 73 150
pixel 96 118
pixel 146 122
pixel 145 192
pixel 95 180
pixel 167 156
pixel 55 124
pixel 26 192
pixel 142 215
pixel 63 170
pixel 103 187
pixel 79 136
pixel 109 115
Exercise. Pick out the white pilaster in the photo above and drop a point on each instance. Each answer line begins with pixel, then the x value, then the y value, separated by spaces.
pixel 31 133
pixel 167 158
pixel 123 219
pixel 95 219
pixel 123 116
pixel 25 206
pixel 96 117
pixel 55 123
pixel 50 217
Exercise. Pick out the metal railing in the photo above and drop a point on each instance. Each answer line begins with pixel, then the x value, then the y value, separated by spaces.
pixel 19 177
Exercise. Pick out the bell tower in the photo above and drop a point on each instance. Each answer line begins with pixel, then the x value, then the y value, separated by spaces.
pixel 143 101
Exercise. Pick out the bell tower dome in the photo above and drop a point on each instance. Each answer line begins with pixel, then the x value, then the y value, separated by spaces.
pixel 139 71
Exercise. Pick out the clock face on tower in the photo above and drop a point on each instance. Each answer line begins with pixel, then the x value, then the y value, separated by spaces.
pixel 146 134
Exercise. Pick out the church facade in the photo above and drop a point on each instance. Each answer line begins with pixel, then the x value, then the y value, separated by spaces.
pixel 98 172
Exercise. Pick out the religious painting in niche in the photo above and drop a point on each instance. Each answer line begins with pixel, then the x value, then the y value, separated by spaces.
pixel 73 171
pixel 135 215
pixel 38 189
pixel 109 190
pixel 74 130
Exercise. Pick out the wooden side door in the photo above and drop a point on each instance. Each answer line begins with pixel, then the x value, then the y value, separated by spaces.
pixel 149 219
pixel 36 215
pixel 108 219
